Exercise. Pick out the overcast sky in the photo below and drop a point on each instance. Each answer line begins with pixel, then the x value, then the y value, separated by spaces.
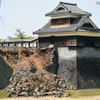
pixel 29 15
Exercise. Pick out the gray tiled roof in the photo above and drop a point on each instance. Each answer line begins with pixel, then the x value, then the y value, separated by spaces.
pixel 47 28
pixel 69 8
pixel 18 41
pixel 77 23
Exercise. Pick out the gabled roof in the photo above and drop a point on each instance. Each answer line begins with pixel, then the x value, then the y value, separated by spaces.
pixel 76 25
pixel 68 8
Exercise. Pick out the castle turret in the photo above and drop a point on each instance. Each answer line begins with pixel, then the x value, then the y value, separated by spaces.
pixel 66 20
pixel 77 40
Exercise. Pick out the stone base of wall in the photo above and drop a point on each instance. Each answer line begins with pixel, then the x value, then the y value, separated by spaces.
pixel 80 66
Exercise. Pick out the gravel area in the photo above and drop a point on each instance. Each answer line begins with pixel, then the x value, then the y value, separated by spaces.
pixel 52 98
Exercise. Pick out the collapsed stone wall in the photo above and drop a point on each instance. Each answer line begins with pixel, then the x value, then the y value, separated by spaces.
pixel 47 59
pixel 25 71
pixel 33 59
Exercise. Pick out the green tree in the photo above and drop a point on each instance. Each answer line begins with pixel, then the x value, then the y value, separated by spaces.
pixel 13 38
pixel 10 38
pixel 20 35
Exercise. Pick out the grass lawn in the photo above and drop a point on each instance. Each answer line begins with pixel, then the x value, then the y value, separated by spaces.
pixel 84 92
pixel 3 94
pixel 74 93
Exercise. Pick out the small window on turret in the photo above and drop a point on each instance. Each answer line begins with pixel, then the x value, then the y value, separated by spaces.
pixel 60 8
pixel 62 21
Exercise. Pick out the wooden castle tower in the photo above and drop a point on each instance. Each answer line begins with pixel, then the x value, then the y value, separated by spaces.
pixel 76 38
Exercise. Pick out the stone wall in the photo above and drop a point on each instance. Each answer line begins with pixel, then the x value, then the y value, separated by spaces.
pixel 80 66
pixel 88 67
pixel 5 73
pixel 67 65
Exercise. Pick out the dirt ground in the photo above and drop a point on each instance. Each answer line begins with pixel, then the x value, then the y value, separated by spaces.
pixel 52 98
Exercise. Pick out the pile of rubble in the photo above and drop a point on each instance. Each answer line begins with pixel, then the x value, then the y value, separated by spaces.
pixel 29 76
pixel 26 83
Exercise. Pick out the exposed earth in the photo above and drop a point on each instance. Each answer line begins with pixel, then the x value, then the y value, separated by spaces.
pixel 25 72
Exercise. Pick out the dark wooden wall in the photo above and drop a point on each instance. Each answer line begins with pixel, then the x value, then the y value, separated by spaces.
pixel 64 41
pixel 57 41
pixel 46 41
pixel 63 21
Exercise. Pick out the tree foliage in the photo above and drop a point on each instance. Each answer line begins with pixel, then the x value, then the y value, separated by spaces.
pixel 20 35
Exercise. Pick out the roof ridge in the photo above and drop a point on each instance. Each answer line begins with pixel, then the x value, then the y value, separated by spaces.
pixel 69 3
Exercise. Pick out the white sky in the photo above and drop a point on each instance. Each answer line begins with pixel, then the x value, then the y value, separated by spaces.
pixel 29 15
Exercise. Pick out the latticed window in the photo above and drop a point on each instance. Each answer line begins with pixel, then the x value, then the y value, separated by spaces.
pixel 63 21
